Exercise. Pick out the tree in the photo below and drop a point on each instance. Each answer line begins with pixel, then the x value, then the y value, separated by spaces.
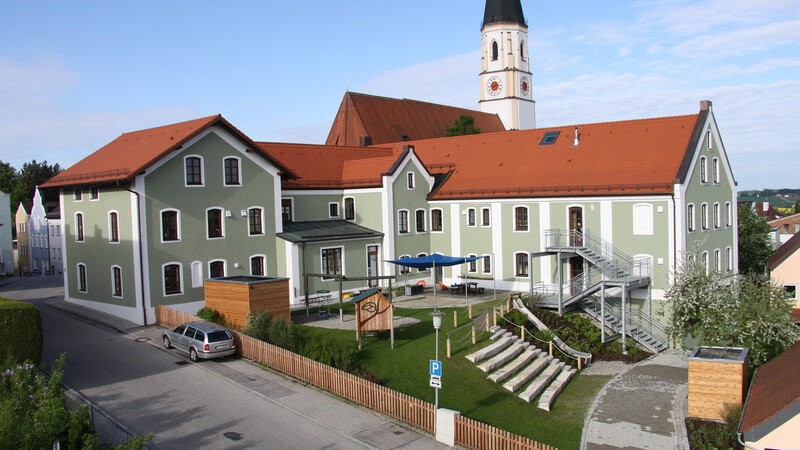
pixel 755 245
pixel 32 174
pixel 736 311
pixel 8 178
pixel 464 124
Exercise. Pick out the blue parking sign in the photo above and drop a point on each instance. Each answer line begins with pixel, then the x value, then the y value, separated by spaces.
pixel 436 368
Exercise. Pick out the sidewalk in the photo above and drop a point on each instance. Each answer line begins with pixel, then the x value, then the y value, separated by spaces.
pixel 360 425
pixel 643 407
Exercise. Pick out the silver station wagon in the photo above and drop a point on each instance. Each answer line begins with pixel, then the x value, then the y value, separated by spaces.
pixel 202 340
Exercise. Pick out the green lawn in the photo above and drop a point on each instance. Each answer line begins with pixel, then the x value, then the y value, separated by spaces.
pixel 465 388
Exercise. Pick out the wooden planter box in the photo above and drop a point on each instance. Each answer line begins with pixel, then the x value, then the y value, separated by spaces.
pixel 717 375
pixel 236 296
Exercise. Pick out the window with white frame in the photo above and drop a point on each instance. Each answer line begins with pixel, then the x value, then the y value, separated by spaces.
pixel 216 268
pixel 486 217
pixel 79 227
pixel 82 286
pixel 521 218
pixel 472 266
pixel 718 260
pixel 715 170
pixel 690 217
pixel 728 215
pixel 436 220
pixel 170 225
pixel 258 265
pixel 419 220
pixel 704 216
pixel 113 227
pixel 286 209
pixel 94 193
pixel 708 140
pixel 410 180
pixel 333 210
pixel 197 274
pixel 487 264
pixel 404 269
pixel 703 170
pixel 116 281
pixel 422 255
pixel 521 265
pixel 214 223
pixel 232 171
pixel 792 290
pixel 349 208
pixel 704 261
pixel 331 260
pixel 171 278
pixel 77 194
pixel 402 221
pixel 193 170
pixel 717 218
pixel 471 217
pixel 643 219
pixel 728 259
pixel 255 219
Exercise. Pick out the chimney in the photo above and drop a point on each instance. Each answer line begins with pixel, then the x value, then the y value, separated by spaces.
pixel 364 141
pixel 576 141
pixel 766 206
pixel 705 105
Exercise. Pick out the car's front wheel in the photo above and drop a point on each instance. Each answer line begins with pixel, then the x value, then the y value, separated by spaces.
pixel 167 344
pixel 193 355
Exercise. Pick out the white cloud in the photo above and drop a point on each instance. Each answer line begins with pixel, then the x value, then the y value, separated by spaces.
pixel 740 42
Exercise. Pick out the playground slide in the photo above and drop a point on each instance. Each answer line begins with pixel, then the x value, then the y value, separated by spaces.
pixel 558 342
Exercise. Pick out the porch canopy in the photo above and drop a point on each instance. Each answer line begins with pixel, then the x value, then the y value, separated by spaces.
pixel 434 260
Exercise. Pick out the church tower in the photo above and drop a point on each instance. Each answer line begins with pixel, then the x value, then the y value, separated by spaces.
pixel 506 81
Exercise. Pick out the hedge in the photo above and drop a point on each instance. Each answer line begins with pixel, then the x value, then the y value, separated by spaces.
pixel 20 332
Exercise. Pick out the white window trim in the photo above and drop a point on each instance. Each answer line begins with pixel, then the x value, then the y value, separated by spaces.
pixel 73 194
pixel 785 285
pixel 259 255
pixel 239 166
pixel 411 181
pixel 691 219
pixel 404 268
pixel 291 207
pixel 728 259
pixel 321 259
pixel 704 260
pixel 338 210
pixel 344 208
pixel 471 255
pixel 490 217
pixel 424 221
pixel 164 280
pixel 716 216
pixel 263 231
pixel 161 221
pixel 408 222
pixel 640 230
pixel 224 266
pixel 121 285
pixel 83 226
pixel 202 172
pixel 119 239
pixel 704 225
pixel 718 258
pixel 78 277
pixel 703 170
pixel 90 193
pixel 728 215
pixel 715 176
pixel 528 259
pixel 222 223
pixel 475 215
pixel 487 257
pixel 709 142
pixel 422 255
pixel 514 220
pixel 441 215
pixel 197 282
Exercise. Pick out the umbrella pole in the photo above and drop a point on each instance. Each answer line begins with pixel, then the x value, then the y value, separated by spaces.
pixel 434 286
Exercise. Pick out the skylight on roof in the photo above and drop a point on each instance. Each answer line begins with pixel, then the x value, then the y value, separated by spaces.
pixel 549 138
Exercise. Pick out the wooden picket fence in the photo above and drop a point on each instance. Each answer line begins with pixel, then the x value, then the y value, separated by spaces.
pixel 409 410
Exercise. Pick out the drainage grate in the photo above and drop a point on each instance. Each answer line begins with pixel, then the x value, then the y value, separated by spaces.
pixel 232 435
pixel 142 339
pixel 181 362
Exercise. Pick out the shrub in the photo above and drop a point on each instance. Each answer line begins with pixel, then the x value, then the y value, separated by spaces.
pixel 284 335
pixel 517 318
pixel 258 326
pixel 20 331
pixel 210 315
pixel 334 352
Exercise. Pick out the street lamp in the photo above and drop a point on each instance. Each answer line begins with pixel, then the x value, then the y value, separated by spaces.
pixel 437 323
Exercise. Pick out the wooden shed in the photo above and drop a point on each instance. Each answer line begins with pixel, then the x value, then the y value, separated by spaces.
pixel 373 313
pixel 236 296
pixel 717 375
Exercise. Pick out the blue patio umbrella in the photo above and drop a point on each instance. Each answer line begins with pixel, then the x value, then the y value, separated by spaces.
pixel 434 260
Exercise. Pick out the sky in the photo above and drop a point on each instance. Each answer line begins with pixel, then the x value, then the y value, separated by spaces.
pixel 76 75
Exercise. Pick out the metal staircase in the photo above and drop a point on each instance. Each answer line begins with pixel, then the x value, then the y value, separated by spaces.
pixel 609 267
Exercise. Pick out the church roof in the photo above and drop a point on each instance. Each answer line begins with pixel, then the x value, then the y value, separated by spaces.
pixel 387 120
pixel 126 156
pixel 503 11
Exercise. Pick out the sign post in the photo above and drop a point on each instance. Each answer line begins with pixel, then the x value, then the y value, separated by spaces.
pixel 436 374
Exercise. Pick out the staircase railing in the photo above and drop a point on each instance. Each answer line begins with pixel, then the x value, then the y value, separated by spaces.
pixel 576 239
pixel 639 319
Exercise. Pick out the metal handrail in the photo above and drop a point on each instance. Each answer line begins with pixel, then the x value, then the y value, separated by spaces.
pixel 639 319
pixel 641 266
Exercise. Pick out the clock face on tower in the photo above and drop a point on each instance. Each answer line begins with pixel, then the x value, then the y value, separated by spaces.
pixel 494 86
pixel 524 86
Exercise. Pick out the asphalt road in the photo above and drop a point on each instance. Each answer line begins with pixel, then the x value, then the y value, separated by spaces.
pixel 187 405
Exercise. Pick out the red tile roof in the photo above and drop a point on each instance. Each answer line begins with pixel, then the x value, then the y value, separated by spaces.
pixel 775 386
pixel 784 251
pixel 632 157
pixel 331 167
pixel 387 120
pixel 125 157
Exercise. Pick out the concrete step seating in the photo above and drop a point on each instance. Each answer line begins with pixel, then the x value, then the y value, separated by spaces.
pixel 541 361
pixel 516 365
pixel 507 355
pixel 549 394
pixel 498 333
pixel 493 349
pixel 540 382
